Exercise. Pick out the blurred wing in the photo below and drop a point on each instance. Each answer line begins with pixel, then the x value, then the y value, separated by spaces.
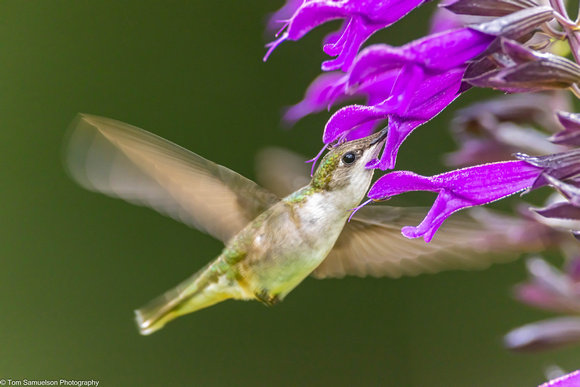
pixel 371 244
pixel 124 161
pixel 281 171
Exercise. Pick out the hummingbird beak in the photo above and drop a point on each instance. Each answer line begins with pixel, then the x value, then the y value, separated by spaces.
pixel 380 136
pixel 375 144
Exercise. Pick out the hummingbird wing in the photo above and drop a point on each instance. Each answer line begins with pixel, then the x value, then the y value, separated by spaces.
pixel 281 171
pixel 123 161
pixel 371 244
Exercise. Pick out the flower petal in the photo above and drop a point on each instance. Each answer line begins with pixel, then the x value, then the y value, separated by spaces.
pixel 573 269
pixel 346 47
pixel 487 7
pixel 526 70
pixel 545 334
pixel 571 133
pixel 400 127
pixel 282 15
pixel 517 24
pixel 434 53
pixel 329 89
pixel 560 166
pixel 548 288
pixel 570 191
pixel 435 94
pixel 457 189
pixel 562 215
pixel 323 91
pixel 570 380
pixel 361 20
pixel 560 210
pixel 444 20
pixel 349 118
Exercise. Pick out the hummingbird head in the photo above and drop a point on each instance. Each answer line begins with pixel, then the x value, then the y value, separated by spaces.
pixel 343 167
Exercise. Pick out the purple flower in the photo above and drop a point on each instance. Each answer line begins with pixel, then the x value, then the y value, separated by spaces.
pixel 545 334
pixel 408 85
pixel 329 89
pixel 478 185
pixel 523 70
pixel 433 54
pixel 457 189
pixel 570 380
pixel 443 20
pixel 279 19
pixel 552 290
pixel 549 288
pixel 487 7
pixel 435 94
pixel 428 78
pixel 443 51
pixel 559 166
pixel 569 191
pixel 564 214
pixel 379 66
pixel 324 91
pixel 362 18
pixel 571 133
pixel 430 73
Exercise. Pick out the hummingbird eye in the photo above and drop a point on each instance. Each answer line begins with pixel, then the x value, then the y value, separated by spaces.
pixel 349 158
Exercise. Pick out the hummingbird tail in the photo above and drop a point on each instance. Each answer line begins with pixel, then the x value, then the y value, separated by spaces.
pixel 191 295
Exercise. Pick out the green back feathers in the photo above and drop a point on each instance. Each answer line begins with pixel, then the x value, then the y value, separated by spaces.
pixel 323 175
pixel 320 181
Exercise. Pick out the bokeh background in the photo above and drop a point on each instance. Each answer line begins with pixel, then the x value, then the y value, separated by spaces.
pixel 75 264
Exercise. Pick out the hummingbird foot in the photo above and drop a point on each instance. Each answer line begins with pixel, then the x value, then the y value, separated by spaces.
pixel 267 299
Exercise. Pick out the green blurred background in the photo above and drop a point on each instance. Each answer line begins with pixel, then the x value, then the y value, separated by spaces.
pixel 75 264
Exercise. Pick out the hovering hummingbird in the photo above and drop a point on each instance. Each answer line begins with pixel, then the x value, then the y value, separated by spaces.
pixel 271 244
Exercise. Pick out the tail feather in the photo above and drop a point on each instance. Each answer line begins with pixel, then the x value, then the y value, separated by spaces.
pixel 192 294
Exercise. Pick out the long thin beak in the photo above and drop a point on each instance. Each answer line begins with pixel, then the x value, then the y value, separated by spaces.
pixel 381 136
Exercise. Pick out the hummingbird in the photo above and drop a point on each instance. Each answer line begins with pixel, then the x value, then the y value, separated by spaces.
pixel 271 244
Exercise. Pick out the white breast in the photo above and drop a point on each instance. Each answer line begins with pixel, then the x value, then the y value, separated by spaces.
pixel 322 223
